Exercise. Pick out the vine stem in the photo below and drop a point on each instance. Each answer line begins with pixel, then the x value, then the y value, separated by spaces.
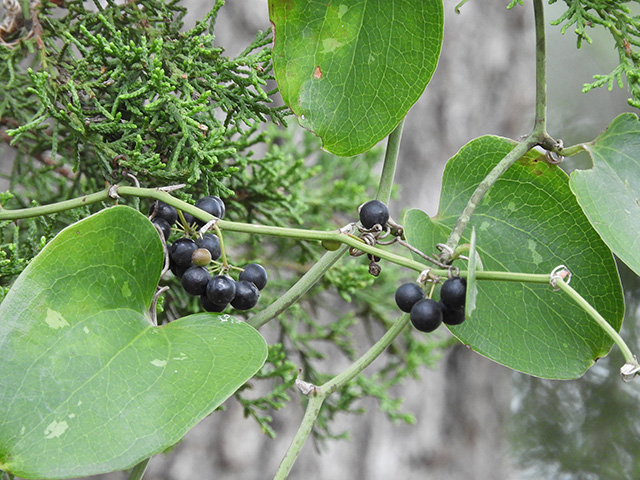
pixel 483 187
pixel 606 326
pixel 302 234
pixel 389 166
pixel 138 471
pixel 538 136
pixel 310 415
pixel 319 394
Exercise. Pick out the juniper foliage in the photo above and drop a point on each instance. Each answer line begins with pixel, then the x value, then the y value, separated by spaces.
pixel 620 18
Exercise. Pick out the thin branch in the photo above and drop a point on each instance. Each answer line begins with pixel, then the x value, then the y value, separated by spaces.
pixel 538 136
pixel 389 166
pixel 138 471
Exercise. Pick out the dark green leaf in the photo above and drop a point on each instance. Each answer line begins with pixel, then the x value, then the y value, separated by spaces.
pixel 88 385
pixel 529 222
pixel 351 70
pixel 609 193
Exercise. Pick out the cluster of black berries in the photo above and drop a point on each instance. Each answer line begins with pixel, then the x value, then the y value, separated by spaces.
pixel 189 259
pixel 425 313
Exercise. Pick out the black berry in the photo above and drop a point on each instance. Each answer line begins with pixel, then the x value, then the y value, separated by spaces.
pixel 453 293
pixel 407 295
pixel 209 306
pixel 426 315
pixel 201 257
pixel 223 208
pixel 221 289
pixel 247 295
pixel 212 205
pixel 163 225
pixel 452 316
pixel 211 242
pixel 254 273
pixel 195 279
pixel 373 258
pixel 177 270
pixel 162 210
pixel 181 251
pixel 374 212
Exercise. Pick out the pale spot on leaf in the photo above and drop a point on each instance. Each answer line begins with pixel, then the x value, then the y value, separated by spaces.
pixel 330 44
pixel 55 320
pixel 125 290
pixel 531 245
pixel 55 429
pixel 158 363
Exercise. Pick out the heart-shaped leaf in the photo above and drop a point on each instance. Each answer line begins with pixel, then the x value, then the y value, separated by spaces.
pixel 87 384
pixel 528 222
pixel 609 193
pixel 351 71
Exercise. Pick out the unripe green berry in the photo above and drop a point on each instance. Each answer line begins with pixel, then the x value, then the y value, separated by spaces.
pixel 331 245
pixel 201 257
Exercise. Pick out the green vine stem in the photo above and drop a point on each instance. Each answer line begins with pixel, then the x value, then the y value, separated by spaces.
pixel 483 187
pixel 389 166
pixel 538 136
pixel 629 357
pixel 301 234
pixel 138 471
pixel 310 414
pixel 540 124
pixel 320 393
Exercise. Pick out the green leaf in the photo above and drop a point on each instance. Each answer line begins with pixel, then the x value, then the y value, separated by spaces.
pixel 609 193
pixel 472 287
pixel 88 385
pixel 352 70
pixel 528 222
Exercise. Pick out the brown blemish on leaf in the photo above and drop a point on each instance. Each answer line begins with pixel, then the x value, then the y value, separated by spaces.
pixel 534 164
pixel 317 73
